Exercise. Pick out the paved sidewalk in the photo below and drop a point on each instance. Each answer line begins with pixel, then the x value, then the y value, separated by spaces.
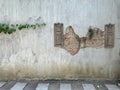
pixel 59 85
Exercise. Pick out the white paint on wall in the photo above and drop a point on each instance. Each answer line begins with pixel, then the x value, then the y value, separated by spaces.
pixel 31 53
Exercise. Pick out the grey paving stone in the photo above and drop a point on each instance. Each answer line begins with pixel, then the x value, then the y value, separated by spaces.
pixel 112 87
pixel 88 87
pixel 42 86
pixel 54 86
pixel 76 85
pixel 2 83
pixel 100 86
pixel 65 86
pixel 19 86
pixel 8 85
pixel 60 85
pixel 31 85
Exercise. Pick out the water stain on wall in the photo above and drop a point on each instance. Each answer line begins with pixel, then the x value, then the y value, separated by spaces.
pixel 63 71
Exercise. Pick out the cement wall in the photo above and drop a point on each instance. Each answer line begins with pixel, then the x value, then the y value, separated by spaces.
pixel 30 54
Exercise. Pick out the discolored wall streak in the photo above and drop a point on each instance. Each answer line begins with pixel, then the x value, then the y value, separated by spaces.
pixel 30 54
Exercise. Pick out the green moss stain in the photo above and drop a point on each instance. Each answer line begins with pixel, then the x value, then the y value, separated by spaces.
pixel 10 28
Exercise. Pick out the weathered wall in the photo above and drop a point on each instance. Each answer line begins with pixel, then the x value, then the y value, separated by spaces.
pixel 31 53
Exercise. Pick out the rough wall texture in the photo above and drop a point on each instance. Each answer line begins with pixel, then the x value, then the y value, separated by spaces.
pixel 31 53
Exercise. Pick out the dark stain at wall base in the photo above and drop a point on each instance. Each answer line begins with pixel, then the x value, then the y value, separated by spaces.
pixel 58 72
